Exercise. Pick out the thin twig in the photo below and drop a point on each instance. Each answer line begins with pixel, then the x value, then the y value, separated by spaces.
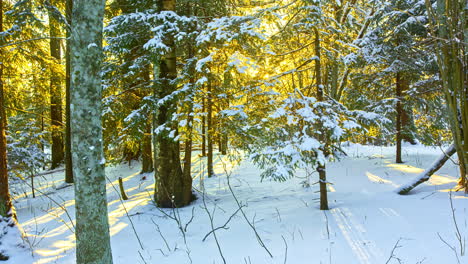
pixel 451 247
pixel 210 216
pixel 221 227
pixel 126 212
pixel 58 204
pixel 285 249
pixel 160 233
pixel 259 239
pixel 392 253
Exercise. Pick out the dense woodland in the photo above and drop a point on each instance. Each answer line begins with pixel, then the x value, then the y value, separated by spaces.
pixel 86 84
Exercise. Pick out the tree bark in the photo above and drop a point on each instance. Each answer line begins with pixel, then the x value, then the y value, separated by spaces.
pixel 173 188
pixel 399 112
pixel 321 167
pixel 190 114
pixel 407 123
pixel 203 128
pixel 92 227
pixel 146 152
pixel 68 155
pixel 450 24
pixel 423 177
pixel 5 199
pixel 55 93
pixel 210 131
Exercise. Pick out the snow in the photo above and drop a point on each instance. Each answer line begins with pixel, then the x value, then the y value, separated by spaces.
pixel 364 224
pixel 92 45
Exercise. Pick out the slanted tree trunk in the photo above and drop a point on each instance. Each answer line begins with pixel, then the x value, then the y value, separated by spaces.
pixel 210 130
pixel 173 188
pixel 321 167
pixel 5 199
pixel 68 155
pixel 423 177
pixel 55 92
pixel 92 227
pixel 399 113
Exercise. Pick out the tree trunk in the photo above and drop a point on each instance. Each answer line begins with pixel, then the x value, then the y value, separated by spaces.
pixel 407 123
pixel 450 24
pixel 68 155
pixel 322 137
pixel 5 199
pixel 210 131
pixel 146 152
pixel 188 148
pixel 399 112
pixel 173 188
pixel 92 227
pixel 190 114
pixel 55 93
pixel 423 177
pixel 203 127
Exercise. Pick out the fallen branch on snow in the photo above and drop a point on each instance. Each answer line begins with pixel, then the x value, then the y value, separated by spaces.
pixel 423 177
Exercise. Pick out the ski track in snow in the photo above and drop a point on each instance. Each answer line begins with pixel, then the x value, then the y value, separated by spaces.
pixel 364 223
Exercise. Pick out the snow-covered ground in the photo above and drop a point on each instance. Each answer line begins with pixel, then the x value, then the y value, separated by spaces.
pixel 368 223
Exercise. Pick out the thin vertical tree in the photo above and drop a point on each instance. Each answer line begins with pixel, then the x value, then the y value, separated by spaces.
pixel 5 199
pixel 68 156
pixel 399 114
pixel 210 129
pixel 55 89
pixel 172 187
pixel 322 137
pixel 203 128
pixel 92 227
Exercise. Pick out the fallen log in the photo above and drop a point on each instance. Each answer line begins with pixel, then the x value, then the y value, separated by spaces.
pixel 426 175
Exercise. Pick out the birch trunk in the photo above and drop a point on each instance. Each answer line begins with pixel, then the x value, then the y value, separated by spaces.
pixel 92 227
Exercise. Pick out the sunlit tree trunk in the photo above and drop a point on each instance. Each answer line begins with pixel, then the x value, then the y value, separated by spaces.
pixel 173 188
pixel 55 92
pixel 92 227
pixel 450 25
pixel 5 199
pixel 68 155
pixel 210 130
